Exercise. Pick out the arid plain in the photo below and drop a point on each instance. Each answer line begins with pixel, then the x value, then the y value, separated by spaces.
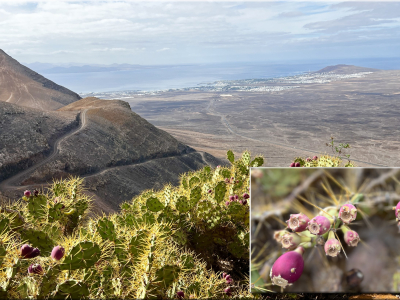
pixel 296 121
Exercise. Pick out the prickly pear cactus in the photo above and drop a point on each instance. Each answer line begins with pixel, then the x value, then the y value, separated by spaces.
pixel 141 252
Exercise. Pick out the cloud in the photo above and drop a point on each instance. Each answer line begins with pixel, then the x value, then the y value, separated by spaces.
pixel 112 31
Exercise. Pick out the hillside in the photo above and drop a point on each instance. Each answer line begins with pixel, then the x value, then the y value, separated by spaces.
pixel 117 152
pixel 345 69
pixel 20 85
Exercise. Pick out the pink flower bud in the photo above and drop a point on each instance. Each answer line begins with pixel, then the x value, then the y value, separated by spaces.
pixel 228 291
pixel 57 253
pixel 292 164
pixel 351 238
pixel 396 212
pixel 209 191
pixel 246 196
pixel 319 225
pixel 288 268
pixel 348 213
pixel 34 253
pixel 35 192
pixel 224 275
pixel 290 241
pixel 236 197
pixel 332 247
pixel 243 202
pixel 308 159
pixel 26 250
pixel 315 157
pixel 35 269
pixel 298 222
pixel 227 203
pixel 297 165
pixel 231 198
pixel 279 234
pixel 180 294
pixel 27 193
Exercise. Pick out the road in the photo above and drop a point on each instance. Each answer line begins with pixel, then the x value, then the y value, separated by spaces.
pixel 8 183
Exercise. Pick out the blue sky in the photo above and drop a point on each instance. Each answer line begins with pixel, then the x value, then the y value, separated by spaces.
pixel 161 32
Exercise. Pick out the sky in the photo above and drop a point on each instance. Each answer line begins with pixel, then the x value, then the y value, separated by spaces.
pixel 162 32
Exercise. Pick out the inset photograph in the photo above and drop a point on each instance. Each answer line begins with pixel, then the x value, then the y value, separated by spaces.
pixel 325 230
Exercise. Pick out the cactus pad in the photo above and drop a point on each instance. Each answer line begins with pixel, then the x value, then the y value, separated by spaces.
pixel 257 162
pixel 38 239
pixel 154 205
pixel 55 212
pixel 182 204
pixel 106 229
pixel 83 255
pixel 167 274
pixel 71 289
pixel 195 195
pixel 231 156
pixel 194 181
pixel 220 191
pixel 37 207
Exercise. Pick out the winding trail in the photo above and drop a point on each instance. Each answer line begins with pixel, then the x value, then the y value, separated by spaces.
pixel 8 183
pixel 210 110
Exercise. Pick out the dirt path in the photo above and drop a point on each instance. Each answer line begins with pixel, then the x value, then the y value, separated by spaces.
pixel 210 110
pixel 8 183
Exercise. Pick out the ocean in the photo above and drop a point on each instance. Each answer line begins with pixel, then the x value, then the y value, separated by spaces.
pixel 164 77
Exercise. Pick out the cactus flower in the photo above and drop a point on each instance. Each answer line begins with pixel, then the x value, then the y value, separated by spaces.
pixel 298 222
pixel 224 275
pixel 180 294
pixel 25 250
pixel 243 202
pixel 246 196
pixel 231 198
pixel 315 157
pixel 396 211
pixel 319 225
pixel 292 165
pixel 278 235
pixel 347 213
pixel 35 192
pixel 288 268
pixel 27 193
pixel 236 197
pixel 308 159
pixel 227 203
pixel 34 253
pixel 297 165
pixel 209 191
pixel 35 269
pixel 350 237
pixel 332 245
pixel 57 253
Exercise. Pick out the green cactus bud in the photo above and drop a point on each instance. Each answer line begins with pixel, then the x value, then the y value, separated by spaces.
pixel 106 229
pixel 82 255
pixel 182 204
pixel 220 191
pixel 154 205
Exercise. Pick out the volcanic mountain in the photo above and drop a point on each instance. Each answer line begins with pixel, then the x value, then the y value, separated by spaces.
pixel 118 153
pixel 20 85
pixel 345 69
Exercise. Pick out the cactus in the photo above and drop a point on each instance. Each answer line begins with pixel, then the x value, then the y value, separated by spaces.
pixel 231 156
pixel 288 268
pixel 55 212
pixel 166 275
pixel 38 239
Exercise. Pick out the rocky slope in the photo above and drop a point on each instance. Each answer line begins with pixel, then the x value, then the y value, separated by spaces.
pixel 20 85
